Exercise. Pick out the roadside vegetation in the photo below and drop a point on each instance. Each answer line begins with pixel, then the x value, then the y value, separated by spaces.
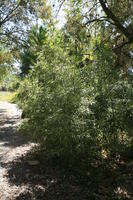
pixel 7 96
pixel 73 84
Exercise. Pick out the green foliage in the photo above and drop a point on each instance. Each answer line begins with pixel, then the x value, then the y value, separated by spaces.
pixel 17 17
pixel 10 82
pixel 6 59
pixel 53 97
pixel 7 96
pixel 76 99
pixel 36 39
pixel 76 36
pixel 73 112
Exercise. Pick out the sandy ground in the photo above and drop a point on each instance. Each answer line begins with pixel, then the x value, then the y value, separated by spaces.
pixel 12 147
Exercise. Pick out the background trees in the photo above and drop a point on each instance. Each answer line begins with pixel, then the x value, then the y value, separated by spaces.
pixel 114 18
pixel 17 17
pixel 16 20
pixel 75 91
pixel 36 39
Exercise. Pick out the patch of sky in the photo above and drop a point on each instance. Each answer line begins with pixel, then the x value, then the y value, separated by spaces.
pixel 130 70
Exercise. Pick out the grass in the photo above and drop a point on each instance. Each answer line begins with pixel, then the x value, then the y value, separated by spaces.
pixel 7 96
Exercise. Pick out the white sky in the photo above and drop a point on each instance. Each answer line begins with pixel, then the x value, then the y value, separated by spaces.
pixel 61 19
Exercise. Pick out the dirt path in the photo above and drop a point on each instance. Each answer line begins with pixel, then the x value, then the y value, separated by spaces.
pixel 12 147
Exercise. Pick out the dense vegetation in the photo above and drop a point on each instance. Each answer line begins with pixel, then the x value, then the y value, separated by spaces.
pixel 73 85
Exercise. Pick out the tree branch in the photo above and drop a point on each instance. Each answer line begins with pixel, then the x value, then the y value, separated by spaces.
pixel 123 44
pixel 10 14
pixel 111 15
pixel 98 20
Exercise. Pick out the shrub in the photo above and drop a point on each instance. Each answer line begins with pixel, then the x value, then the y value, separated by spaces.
pixel 77 113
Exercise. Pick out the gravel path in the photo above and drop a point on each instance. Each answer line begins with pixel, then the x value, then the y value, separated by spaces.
pixel 12 147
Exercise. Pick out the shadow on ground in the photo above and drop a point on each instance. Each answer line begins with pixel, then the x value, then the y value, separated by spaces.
pixel 47 181
pixel 8 134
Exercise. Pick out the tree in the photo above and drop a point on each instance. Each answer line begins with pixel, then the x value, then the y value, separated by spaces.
pixel 120 13
pixel 73 111
pixel 16 17
pixel 113 20
pixel 121 16
pixel 6 60
pixel 113 13
pixel 36 39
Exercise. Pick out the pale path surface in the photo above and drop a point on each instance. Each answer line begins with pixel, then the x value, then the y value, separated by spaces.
pixel 12 147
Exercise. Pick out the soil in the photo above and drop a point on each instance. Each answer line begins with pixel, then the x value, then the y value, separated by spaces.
pixel 25 175
pixel 12 147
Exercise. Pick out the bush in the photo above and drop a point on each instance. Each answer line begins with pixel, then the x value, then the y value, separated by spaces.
pixel 77 113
